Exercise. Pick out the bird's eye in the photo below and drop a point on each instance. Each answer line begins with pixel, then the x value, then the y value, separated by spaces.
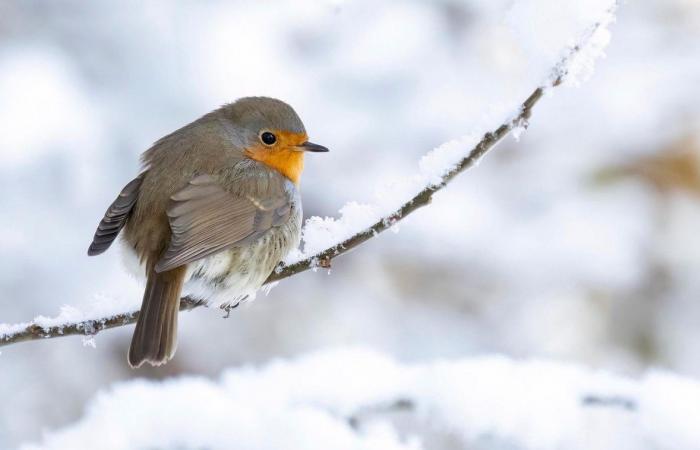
pixel 268 138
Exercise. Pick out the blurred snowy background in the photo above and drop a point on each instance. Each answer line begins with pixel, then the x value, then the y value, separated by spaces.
pixel 578 243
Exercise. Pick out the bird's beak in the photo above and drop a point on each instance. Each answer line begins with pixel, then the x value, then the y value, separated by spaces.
pixel 311 147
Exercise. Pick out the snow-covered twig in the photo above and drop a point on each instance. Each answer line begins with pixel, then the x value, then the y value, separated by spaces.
pixel 614 401
pixel 367 412
pixel 577 56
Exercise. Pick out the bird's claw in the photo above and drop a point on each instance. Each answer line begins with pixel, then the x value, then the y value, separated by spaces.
pixel 228 309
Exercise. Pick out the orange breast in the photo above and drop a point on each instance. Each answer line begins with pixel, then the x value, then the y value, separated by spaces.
pixel 289 163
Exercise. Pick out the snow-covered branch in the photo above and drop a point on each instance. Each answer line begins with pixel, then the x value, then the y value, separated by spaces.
pixel 438 168
pixel 316 402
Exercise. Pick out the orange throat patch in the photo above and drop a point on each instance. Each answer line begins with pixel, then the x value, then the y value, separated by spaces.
pixel 283 158
pixel 289 163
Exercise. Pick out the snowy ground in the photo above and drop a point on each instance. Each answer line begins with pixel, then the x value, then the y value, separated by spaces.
pixel 359 399
pixel 575 243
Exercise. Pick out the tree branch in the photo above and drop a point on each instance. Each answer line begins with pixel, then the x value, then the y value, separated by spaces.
pixel 613 401
pixel 397 406
pixel 34 330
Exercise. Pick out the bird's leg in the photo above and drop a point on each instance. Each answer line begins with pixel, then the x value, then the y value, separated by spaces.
pixel 228 307
pixel 325 262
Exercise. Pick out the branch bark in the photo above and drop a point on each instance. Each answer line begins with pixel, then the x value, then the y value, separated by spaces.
pixel 33 331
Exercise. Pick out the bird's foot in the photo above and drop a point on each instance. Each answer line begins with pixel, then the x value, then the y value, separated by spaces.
pixel 228 308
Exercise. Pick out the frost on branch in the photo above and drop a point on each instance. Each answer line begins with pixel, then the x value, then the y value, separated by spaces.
pixel 542 26
pixel 357 399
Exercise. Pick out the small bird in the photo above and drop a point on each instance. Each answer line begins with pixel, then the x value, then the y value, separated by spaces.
pixel 216 207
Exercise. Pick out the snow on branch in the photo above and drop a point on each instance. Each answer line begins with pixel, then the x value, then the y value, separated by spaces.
pixel 579 42
pixel 316 402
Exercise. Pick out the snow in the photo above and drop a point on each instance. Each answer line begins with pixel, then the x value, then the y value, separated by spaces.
pixel 48 98
pixel 315 401
pixel 437 163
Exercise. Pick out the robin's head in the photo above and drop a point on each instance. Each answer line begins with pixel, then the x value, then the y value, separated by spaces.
pixel 271 132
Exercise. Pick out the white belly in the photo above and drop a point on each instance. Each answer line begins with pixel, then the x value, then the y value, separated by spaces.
pixel 235 275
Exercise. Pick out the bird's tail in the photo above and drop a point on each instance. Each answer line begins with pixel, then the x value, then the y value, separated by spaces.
pixel 155 336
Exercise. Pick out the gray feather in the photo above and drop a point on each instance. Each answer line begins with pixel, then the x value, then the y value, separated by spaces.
pixel 115 217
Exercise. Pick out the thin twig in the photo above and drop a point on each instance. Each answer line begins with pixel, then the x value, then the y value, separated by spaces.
pixel 397 406
pixel 613 401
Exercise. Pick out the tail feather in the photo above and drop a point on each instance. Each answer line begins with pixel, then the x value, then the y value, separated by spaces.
pixel 155 336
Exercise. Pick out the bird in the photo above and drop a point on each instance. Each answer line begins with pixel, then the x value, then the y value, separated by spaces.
pixel 213 211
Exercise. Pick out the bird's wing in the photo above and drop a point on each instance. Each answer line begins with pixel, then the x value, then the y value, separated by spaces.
pixel 205 219
pixel 115 217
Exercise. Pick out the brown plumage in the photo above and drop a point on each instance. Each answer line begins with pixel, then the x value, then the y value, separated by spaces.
pixel 215 209
pixel 155 335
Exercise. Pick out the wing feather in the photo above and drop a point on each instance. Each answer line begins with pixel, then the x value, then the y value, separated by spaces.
pixel 115 217
pixel 206 219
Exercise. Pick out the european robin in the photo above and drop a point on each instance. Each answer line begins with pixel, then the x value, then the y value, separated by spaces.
pixel 214 210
